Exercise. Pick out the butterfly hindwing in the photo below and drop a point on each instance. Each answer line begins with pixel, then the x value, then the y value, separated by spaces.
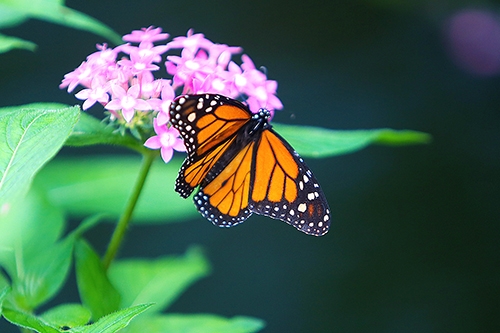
pixel 225 199
pixel 284 187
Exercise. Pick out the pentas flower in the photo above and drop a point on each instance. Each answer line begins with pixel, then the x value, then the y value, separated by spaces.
pixel 167 140
pixel 131 84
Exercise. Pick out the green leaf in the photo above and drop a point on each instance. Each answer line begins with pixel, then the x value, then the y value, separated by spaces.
pixel 67 315
pixel 114 321
pixel 322 142
pixel 28 321
pixel 9 18
pixel 8 43
pixel 91 131
pixel 160 281
pixel 96 291
pixel 40 277
pixel 87 224
pixel 4 290
pixel 54 11
pixel 100 184
pixel 37 106
pixel 195 323
pixel 29 137
pixel 31 226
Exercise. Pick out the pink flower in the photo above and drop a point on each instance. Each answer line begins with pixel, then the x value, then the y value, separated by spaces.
pixel 127 101
pixel 163 104
pixel 139 63
pixel 102 58
pixel 98 92
pixel 167 140
pixel 190 42
pixel 81 75
pixel 146 35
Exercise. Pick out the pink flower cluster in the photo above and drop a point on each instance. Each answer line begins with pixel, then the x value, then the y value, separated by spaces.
pixel 122 80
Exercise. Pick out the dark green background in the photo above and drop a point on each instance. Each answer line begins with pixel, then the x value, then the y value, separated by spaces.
pixel 414 245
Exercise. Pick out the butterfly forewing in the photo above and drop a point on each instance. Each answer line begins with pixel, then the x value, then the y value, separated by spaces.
pixel 208 125
pixel 205 121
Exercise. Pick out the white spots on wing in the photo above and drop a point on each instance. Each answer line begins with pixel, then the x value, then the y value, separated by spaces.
pixel 191 117
pixel 209 109
pixel 306 179
pixel 302 207
pixel 310 196
pixel 301 185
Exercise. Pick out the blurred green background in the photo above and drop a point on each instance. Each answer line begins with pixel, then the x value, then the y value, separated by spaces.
pixel 414 245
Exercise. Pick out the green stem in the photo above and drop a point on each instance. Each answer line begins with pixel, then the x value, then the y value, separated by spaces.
pixel 122 225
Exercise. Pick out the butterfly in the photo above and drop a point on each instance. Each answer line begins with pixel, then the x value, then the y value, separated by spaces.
pixel 242 166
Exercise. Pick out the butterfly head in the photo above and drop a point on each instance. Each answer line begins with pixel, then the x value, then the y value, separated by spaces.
pixel 260 121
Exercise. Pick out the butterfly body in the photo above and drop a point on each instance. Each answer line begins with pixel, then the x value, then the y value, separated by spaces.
pixel 242 166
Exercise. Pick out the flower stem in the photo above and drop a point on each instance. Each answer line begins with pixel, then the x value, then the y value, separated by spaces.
pixel 122 225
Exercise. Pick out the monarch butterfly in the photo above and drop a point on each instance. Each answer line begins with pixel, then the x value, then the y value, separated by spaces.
pixel 242 166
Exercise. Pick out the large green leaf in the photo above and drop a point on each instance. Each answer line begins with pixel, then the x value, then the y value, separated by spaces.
pixel 85 186
pixel 4 290
pixel 91 131
pixel 96 291
pixel 29 137
pixel 67 315
pixel 53 11
pixel 195 323
pixel 28 321
pixel 10 17
pixel 113 322
pixel 31 226
pixel 42 275
pixel 8 43
pixel 322 142
pixel 160 281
